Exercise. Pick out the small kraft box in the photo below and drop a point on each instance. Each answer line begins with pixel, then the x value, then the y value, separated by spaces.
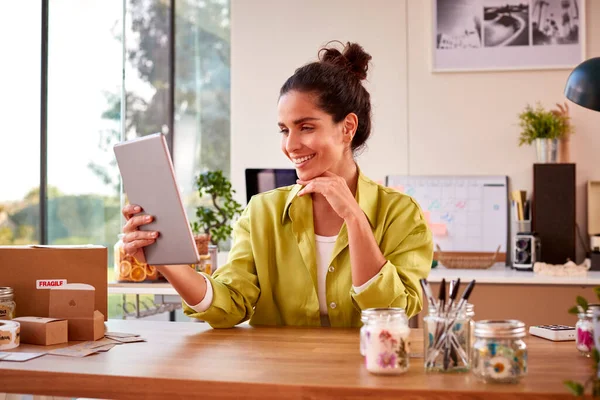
pixel 33 270
pixel 75 302
pixel 43 331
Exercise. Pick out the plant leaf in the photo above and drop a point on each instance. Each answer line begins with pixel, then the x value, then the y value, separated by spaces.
pixel 596 355
pixel 575 387
pixel 574 310
pixel 597 291
pixel 582 302
pixel 596 388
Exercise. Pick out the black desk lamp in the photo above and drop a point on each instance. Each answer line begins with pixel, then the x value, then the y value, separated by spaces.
pixel 583 88
pixel 583 85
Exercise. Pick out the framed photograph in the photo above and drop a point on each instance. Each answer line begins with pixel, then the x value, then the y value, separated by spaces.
pixel 507 34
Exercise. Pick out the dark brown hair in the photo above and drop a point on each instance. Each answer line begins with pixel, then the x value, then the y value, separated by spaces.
pixel 336 81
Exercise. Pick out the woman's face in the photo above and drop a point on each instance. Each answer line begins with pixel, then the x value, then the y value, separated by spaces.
pixel 310 138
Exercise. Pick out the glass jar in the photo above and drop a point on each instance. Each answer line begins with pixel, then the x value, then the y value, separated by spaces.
pixel 499 353
pixel 205 264
pixel 385 343
pixel 470 313
pixel 364 317
pixel 213 251
pixel 447 340
pixel 7 303
pixel 584 339
pixel 128 269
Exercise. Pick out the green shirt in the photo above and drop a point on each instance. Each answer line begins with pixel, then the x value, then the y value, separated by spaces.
pixel 270 277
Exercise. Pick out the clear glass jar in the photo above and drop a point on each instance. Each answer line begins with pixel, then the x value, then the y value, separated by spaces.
pixel 499 353
pixel 213 250
pixel 470 313
pixel 205 264
pixel 364 317
pixel 128 269
pixel 7 303
pixel 447 340
pixel 584 328
pixel 385 340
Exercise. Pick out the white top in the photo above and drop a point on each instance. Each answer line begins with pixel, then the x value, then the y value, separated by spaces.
pixel 499 273
pixel 324 245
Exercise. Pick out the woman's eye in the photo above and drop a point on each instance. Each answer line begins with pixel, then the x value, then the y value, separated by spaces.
pixel 307 128
pixel 284 131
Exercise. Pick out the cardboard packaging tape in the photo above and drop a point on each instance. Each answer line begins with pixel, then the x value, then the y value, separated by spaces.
pixel 9 334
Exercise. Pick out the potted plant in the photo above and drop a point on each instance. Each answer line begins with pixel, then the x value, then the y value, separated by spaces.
pixel 544 128
pixel 216 214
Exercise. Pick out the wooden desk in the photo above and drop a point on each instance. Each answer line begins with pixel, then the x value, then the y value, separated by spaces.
pixel 192 360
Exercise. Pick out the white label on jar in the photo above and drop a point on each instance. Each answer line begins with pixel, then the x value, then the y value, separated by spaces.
pixel 49 283
pixel 386 349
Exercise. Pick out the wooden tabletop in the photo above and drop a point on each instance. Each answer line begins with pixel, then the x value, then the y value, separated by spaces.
pixel 191 359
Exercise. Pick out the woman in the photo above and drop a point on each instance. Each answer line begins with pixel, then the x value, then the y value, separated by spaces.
pixel 319 252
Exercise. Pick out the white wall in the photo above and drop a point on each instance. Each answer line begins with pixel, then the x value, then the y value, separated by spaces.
pixel 424 122
pixel 271 38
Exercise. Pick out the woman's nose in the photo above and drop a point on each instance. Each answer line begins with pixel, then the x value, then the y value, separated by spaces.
pixel 292 142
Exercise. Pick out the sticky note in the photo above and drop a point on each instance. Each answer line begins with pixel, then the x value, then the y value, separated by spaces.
pixel 438 229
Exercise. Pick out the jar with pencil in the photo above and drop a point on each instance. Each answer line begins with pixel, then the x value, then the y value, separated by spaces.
pixel 447 339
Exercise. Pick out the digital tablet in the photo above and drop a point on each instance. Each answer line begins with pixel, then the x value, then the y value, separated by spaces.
pixel 149 181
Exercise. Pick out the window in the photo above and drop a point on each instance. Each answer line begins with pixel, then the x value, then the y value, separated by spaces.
pixel 84 90
pixel 20 104
pixel 182 67
pixel 202 93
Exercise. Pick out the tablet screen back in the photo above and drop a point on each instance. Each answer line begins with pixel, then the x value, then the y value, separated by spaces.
pixel 149 181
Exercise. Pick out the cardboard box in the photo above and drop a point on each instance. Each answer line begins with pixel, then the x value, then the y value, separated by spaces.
pixel 32 270
pixel 75 302
pixel 43 331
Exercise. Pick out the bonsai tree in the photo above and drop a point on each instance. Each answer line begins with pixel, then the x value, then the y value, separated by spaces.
pixel 215 220
pixel 538 123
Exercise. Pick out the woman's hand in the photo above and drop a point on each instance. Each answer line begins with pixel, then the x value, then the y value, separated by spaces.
pixel 336 192
pixel 135 240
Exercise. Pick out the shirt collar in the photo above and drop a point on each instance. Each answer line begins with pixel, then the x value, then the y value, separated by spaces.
pixel 366 197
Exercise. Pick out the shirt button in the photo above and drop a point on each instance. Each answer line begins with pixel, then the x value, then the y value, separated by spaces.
pixel 332 305
pixel 331 268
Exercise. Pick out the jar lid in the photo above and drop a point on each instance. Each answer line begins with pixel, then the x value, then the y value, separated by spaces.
pixel 500 329
pixel 469 309
pixel 6 292
pixel 590 311
pixel 383 314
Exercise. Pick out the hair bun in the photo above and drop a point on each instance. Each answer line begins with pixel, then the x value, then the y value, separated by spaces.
pixel 354 58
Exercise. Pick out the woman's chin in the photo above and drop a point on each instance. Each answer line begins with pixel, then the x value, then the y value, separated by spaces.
pixel 304 175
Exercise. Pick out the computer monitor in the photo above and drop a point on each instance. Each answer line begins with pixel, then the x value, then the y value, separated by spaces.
pixel 259 180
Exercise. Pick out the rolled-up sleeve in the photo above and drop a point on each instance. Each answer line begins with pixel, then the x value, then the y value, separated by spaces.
pixel 407 246
pixel 235 285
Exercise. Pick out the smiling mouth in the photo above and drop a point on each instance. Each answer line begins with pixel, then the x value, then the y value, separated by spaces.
pixel 302 160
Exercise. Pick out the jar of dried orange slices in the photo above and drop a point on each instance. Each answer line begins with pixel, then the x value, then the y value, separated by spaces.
pixel 128 269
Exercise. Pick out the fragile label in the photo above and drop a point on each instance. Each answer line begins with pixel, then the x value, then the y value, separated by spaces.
pixel 49 283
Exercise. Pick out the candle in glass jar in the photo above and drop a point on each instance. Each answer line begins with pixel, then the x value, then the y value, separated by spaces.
pixel 386 341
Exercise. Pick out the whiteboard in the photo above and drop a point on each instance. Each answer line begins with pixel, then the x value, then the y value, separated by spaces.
pixel 465 213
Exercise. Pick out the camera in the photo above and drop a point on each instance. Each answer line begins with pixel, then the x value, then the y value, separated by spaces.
pixel 527 250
